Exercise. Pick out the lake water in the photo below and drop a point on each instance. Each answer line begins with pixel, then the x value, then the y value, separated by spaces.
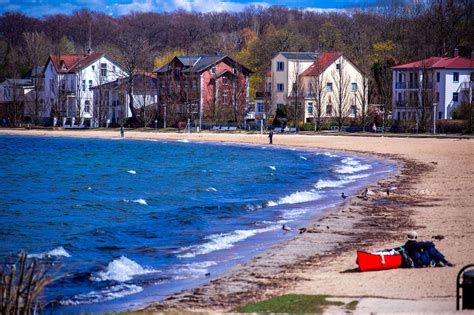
pixel 130 221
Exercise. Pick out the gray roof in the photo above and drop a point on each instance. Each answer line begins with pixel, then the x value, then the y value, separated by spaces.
pixel 194 63
pixel 19 82
pixel 302 55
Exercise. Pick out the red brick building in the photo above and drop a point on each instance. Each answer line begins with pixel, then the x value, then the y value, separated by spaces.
pixel 205 89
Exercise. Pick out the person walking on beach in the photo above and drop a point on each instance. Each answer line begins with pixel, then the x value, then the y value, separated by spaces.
pixel 270 137
pixel 122 132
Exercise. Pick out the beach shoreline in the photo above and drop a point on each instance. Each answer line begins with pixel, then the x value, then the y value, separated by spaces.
pixel 323 262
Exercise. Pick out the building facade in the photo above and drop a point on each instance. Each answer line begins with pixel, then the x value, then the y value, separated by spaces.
pixel 68 83
pixel 203 89
pixel 434 87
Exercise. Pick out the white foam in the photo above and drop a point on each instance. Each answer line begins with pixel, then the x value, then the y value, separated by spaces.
pixel 328 154
pixel 350 169
pixel 354 177
pixel 297 197
pixel 89 188
pixel 184 140
pixel 193 270
pixel 113 292
pixel 221 241
pixel 303 158
pixel 328 183
pixel 272 167
pixel 57 252
pixel 292 214
pixel 141 201
pixel 350 161
pixel 132 171
pixel 122 269
pixel 211 189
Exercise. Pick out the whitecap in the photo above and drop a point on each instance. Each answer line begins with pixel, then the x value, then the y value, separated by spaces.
pixel 221 241
pixel 328 183
pixel 303 158
pixel 110 293
pixel 57 252
pixel 349 169
pixel 141 201
pixel 211 189
pixel 296 197
pixel 350 161
pixel 89 188
pixel 293 214
pixel 354 177
pixel 183 140
pixel 121 269
pixel 272 167
pixel 328 154
pixel 131 171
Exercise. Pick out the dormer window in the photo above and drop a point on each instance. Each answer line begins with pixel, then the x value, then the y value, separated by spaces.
pixel 103 69
pixel 63 65
pixel 213 70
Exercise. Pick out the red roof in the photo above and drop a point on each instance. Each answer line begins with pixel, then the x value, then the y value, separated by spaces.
pixel 321 64
pixel 439 62
pixel 75 62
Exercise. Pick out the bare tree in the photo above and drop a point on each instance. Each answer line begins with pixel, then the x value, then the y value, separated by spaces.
pixel 297 91
pixel 37 47
pixel 341 93
pixel 362 96
pixel 426 98
pixel 317 90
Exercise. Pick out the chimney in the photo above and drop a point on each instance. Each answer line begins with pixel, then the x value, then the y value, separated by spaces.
pixel 456 52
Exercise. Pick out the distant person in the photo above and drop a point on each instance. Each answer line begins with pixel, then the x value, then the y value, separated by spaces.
pixel 424 254
pixel 270 137
pixel 122 132
pixel 374 127
pixel 4 121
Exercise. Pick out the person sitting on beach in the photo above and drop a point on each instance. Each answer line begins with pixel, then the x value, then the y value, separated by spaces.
pixel 424 254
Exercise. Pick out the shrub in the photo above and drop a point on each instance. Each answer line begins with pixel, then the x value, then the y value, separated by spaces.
pixel 451 126
pixel 307 127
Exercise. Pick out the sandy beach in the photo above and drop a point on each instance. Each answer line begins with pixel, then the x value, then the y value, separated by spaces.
pixel 433 195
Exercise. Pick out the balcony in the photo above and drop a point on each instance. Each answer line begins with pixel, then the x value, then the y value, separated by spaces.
pixel 401 103
pixel 406 85
pixel 466 86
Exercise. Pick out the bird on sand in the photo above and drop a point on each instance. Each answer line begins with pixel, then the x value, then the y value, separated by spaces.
pixel 343 196
pixel 286 228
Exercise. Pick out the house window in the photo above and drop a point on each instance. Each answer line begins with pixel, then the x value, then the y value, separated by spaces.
pixel 93 68
pixel 103 69
pixel 338 66
pixel 90 84
pixel 310 107
pixel 280 87
pixel 280 66
pixel 438 76
pixel 440 115
pixel 83 85
pixel 213 70
pixel 225 80
pixel 400 77
pixel 354 87
pixel 224 98
pixel 329 87
pixel 260 108
pixel 455 96
pixel 455 76
pixel 437 96
pixel 113 69
pixel 328 109
pixel 87 106
pixel 354 110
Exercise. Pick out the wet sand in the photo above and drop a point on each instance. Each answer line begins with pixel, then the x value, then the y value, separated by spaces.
pixel 434 195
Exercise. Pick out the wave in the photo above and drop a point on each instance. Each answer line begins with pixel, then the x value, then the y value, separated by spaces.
pixel 57 252
pixel 131 171
pixel 297 197
pixel 140 201
pixel 303 158
pixel 211 189
pixel 328 183
pixel 293 214
pixel 122 269
pixel 193 270
pixel 351 166
pixel 221 241
pixel 328 154
pixel 354 177
pixel 272 167
pixel 113 292
pixel 183 140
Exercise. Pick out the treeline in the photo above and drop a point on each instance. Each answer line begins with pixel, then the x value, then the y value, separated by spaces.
pixel 375 38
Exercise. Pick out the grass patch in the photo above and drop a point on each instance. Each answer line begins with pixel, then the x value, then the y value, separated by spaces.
pixel 290 303
pixel 352 305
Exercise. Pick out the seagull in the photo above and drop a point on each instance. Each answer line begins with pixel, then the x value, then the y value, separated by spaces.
pixel 388 191
pixel 343 196
pixel 302 230
pixel 208 274
pixel 286 228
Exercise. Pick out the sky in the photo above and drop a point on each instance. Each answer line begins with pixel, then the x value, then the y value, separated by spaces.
pixel 38 8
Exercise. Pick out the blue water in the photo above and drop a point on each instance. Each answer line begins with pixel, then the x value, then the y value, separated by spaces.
pixel 127 222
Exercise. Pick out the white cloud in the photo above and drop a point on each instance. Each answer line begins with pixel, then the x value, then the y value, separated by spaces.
pixel 134 6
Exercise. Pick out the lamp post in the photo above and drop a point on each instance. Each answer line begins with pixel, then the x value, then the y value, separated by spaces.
pixel 434 118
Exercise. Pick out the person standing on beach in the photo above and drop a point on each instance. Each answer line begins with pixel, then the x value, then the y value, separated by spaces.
pixel 270 137
pixel 122 132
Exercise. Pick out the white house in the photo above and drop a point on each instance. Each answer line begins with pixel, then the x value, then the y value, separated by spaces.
pixel 16 99
pixel 68 80
pixel 333 78
pixel 286 68
pixel 115 98
pixel 448 82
